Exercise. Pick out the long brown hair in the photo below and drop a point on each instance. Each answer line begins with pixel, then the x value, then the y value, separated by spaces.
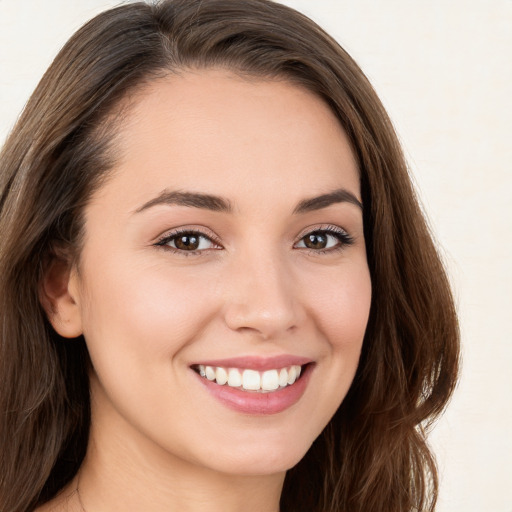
pixel 372 456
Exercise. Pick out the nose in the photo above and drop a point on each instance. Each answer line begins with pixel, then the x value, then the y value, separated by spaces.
pixel 262 297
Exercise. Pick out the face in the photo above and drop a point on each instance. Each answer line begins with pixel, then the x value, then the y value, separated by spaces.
pixel 224 255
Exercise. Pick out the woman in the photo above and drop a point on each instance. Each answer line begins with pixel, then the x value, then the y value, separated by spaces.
pixel 217 288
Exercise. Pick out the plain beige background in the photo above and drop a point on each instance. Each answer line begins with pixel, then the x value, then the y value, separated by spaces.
pixel 443 68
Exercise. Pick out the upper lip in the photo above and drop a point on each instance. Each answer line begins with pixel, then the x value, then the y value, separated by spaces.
pixel 260 363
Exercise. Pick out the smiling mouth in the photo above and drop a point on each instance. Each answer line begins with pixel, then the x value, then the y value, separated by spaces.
pixel 250 380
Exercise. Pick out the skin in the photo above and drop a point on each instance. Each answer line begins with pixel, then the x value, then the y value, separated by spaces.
pixel 159 441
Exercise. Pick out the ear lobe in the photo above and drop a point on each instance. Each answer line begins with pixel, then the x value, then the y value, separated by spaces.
pixel 59 299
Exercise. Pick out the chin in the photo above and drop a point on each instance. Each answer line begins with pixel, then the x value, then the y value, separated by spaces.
pixel 261 459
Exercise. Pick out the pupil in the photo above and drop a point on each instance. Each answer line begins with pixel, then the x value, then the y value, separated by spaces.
pixel 316 241
pixel 187 242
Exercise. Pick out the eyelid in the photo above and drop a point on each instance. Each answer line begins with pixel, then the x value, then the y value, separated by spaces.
pixel 328 228
pixel 345 239
pixel 197 230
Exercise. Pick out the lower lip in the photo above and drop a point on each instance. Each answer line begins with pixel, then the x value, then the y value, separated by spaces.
pixel 259 403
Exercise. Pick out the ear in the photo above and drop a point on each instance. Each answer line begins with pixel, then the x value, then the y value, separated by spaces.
pixel 59 297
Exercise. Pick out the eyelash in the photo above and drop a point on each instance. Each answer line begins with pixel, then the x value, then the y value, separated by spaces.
pixel 343 238
pixel 169 237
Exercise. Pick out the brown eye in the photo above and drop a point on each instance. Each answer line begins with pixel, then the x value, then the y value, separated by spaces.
pixel 316 241
pixel 325 240
pixel 188 241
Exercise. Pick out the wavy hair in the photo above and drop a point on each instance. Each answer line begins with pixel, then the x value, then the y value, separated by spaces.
pixel 373 455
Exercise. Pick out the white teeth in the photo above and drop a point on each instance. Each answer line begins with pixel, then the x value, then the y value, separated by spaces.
pixel 283 377
pixel 234 378
pixel 210 373
pixel 251 380
pixel 221 376
pixel 270 380
pixel 292 375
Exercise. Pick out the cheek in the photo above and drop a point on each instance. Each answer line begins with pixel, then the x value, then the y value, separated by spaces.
pixel 339 305
pixel 342 306
pixel 343 311
pixel 140 314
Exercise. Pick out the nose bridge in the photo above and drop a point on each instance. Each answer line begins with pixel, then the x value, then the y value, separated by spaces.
pixel 262 298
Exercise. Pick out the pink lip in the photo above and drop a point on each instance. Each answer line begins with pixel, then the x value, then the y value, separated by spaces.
pixel 258 363
pixel 250 402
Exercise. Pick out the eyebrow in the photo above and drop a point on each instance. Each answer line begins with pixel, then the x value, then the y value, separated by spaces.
pixel 340 195
pixel 220 204
pixel 191 199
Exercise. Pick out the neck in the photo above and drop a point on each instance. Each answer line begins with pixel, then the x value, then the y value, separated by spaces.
pixel 104 490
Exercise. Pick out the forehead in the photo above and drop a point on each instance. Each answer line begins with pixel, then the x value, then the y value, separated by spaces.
pixel 216 132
